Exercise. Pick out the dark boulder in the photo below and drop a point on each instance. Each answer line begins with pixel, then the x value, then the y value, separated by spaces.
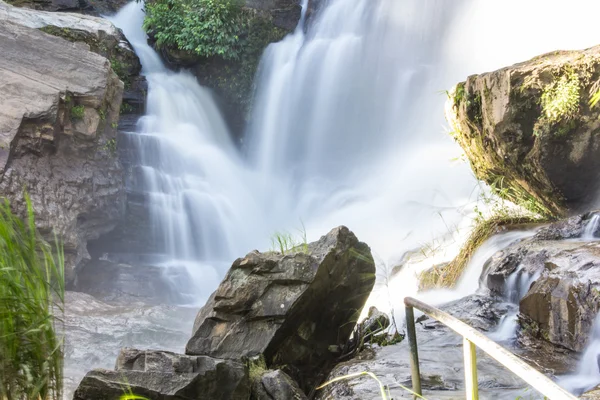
pixel 160 375
pixel 288 308
pixel 276 385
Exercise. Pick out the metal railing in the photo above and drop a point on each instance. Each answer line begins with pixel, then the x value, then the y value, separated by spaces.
pixel 472 338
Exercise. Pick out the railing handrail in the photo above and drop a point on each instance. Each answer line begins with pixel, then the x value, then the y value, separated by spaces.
pixel 472 336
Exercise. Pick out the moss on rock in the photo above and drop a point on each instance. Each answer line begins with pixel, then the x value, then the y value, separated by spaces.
pixel 530 133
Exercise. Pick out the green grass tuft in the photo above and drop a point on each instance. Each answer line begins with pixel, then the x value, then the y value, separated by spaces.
pixel 32 291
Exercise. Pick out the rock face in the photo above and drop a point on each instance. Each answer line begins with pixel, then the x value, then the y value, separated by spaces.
pixel 284 13
pixel 529 130
pixel 277 385
pixel 92 7
pixel 164 375
pixel 561 303
pixel 60 107
pixel 288 308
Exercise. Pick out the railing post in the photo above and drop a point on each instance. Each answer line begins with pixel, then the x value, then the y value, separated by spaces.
pixel 414 351
pixel 470 355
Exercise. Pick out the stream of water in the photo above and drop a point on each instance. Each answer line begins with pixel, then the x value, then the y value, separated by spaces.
pixel 347 128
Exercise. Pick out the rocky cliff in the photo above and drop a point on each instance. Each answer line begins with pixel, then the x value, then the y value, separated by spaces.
pixel 532 130
pixel 60 109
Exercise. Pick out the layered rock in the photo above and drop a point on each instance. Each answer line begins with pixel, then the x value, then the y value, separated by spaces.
pixel 288 308
pixel 98 33
pixel 530 131
pixel 58 133
pixel 561 304
pixel 167 376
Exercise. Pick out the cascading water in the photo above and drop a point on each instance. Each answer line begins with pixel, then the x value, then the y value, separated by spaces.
pixel 589 233
pixel 347 128
pixel 516 287
pixel 197 187
pixel 588 372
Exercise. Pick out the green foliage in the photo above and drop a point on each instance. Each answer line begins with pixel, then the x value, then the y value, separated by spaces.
pixel 121 69
pixel 77 112
pixel 31 289
pixel 560 99
pixel 111 146
pixel 286 243
pixel 204 27
pixel 125 108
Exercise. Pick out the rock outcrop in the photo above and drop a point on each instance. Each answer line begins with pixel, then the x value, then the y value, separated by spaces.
pixel 60 109
pixel 531 131
pixel 562 298
pixel 266 332
pixel 288 308
pixel 167 376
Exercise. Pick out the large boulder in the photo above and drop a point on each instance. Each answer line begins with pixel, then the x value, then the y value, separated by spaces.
pixel 167 376
pixel 60 109
pixel 530 132
pixel 99 34
pixel 288 308
pixel 556 277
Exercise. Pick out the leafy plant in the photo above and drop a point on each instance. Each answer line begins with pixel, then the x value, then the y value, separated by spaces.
pixel 32 291
pixel 560 99
pixel 205 27
pixel 77 112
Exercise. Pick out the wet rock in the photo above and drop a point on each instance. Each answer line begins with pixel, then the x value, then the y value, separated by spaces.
pixel 592 394
pixel 160 375
pixel 529 131
pixel 284 13
pixel 58 135
pixel 95 331
pixel 289 308
pixel 376 322
pixel 441 361
pixel 562 297
pixel 276 385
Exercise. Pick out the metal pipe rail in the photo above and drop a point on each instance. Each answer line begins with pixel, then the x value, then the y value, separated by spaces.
pixel 472 338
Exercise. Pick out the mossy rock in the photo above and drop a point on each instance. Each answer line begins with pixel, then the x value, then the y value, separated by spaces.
pixel 122 58
pixel 530 132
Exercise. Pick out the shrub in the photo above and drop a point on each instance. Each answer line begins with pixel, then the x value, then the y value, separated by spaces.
pixel 77 112
pixel 31 289
pixel 205 27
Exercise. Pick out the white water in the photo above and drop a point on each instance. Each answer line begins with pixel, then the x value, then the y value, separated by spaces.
pixel 198 189
pixel 347 129
pixel 515 288
pixel 591 228
pixel 588 372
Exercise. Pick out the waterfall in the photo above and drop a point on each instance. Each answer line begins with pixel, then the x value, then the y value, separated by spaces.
pixel 588 372
pixel 516 287
pixel 347 129
pixel 589 233
pixel 198 188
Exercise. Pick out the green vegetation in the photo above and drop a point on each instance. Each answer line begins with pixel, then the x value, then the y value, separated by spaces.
pixel 122 70
pixel 204 27
pixel 111 146
pixel 227 37
pixel 286 243
pixel 32 290
pixel 560 99
pixel 77 112
pixel 502 215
